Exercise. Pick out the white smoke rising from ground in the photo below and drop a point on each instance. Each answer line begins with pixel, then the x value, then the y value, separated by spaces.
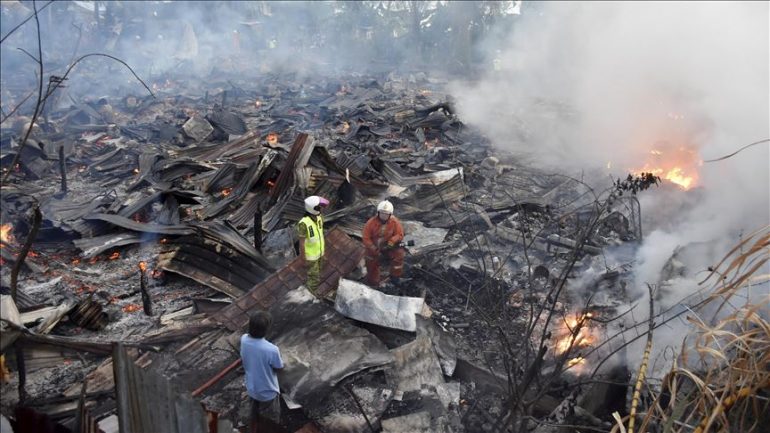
pixel 584 84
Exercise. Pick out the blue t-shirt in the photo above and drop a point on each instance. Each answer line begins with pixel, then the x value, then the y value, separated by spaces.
pixel 260 357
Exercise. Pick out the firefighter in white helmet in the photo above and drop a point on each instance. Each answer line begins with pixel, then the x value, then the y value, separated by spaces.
pixel 311 239
pixel 382 235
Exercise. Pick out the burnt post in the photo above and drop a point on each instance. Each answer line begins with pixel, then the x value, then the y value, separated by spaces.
pixel 258 230
pixel 21 366
pixel 146 300
pixel 63 170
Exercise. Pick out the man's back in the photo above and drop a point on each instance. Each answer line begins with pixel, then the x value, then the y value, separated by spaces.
pixel 260 357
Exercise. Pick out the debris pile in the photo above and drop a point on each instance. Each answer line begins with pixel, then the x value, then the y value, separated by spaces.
pixel 178 219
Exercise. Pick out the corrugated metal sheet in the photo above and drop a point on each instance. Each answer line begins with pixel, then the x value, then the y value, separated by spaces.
pixel 342 256
pixel 148 402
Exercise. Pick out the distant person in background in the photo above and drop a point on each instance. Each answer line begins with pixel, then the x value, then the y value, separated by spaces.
pixel 261 359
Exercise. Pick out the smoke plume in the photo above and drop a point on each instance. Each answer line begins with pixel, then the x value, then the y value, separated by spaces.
pixel 601 85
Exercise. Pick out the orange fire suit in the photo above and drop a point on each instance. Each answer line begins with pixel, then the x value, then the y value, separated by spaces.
pixel 383 240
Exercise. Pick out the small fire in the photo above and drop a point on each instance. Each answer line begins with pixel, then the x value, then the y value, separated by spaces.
pixel 258 103
pixel 272 138
pixel 676 165
pixel 164 241
pixel 115 256
pixel 75 261
pixel 576 361
pixel 131 308
pixel 6 234
pixel 142 266
pixel 226 192
pixel 136 171
pixel 574 332
pixel 157 274
pixel 33 254
pixel 270 183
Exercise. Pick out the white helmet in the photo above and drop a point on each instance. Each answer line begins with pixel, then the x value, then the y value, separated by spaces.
pixel 385 206
pixel 314 203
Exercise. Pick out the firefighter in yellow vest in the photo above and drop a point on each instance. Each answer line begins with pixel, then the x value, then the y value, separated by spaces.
pixel 311 240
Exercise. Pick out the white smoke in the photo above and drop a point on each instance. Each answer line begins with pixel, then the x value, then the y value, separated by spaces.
pixel 587 83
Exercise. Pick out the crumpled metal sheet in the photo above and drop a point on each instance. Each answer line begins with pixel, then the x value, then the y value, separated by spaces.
pixel 443 343
pixel 416 365
pixel 319 347
pixel 359 302
pixel 147 401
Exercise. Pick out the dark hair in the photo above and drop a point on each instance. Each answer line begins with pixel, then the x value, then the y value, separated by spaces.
pixel 259 322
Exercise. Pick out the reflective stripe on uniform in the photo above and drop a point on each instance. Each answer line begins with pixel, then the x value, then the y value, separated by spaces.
pixel 314 239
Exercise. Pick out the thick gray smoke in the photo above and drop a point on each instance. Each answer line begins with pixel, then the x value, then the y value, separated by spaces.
pixel 587 85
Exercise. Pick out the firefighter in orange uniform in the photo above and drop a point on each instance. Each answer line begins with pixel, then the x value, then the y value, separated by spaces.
pixel 382 235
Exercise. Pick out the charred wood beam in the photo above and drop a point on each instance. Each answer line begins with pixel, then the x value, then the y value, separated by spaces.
pixel 36 220
pixel 258 230
pixel 63 170
pixel 287 174
pixel 146 300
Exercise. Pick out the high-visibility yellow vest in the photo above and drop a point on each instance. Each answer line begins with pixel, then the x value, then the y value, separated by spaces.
pixel 314 238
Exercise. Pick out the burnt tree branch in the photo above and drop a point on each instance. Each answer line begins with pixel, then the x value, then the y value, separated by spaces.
pixel 36 220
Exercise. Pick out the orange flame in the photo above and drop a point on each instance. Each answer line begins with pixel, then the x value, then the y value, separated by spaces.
pixel 226 191
pixel 6 234
pixel 576 361
pixel 272 138
pixel 678 166
pixel 566 337
pixel 142 266
pixel 115 255
pixel 75 261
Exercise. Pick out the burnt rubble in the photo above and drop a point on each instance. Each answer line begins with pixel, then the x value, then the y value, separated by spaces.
pixel 205 189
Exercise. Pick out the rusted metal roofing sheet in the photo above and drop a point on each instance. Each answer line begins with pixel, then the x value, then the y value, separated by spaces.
pixel 148 402
pixel 342 256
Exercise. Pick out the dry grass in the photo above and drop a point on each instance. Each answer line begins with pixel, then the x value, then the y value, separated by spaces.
pixel 721 379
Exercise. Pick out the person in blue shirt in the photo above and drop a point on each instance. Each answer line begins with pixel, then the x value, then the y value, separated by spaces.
pixel 261 359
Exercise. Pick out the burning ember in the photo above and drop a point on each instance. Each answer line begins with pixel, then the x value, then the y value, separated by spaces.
pixel 272 138
pixel 131 308
pixel 115 256
pixel 226 192
pixel 157 274
pixel 258 103
pixel 143 266
pixel 678 166
pixel 6 234
pixel 136 171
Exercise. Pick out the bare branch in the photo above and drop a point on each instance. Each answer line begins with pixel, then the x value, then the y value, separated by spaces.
pixel 34 15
